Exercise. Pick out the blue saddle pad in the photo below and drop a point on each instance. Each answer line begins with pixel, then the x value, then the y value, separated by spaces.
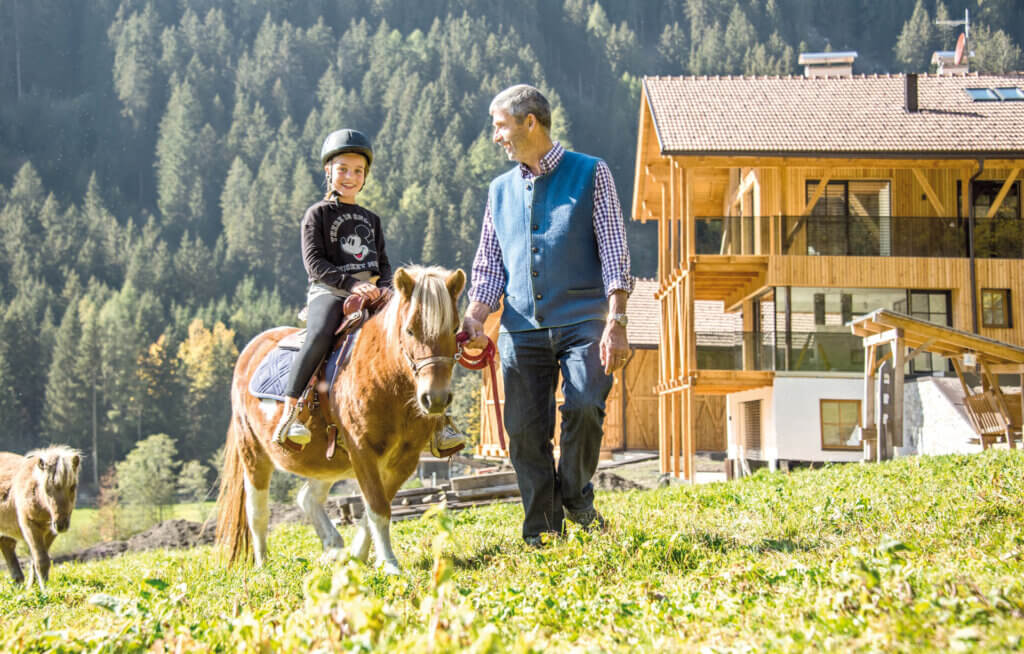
pixel 272 373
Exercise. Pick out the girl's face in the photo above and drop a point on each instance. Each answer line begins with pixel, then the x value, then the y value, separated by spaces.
pixel 347 172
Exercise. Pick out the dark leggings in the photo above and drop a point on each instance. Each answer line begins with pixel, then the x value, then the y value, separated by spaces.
pixel 323 316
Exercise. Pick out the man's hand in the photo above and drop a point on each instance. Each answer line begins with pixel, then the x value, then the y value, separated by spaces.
pixel 614 347
pixel 473 324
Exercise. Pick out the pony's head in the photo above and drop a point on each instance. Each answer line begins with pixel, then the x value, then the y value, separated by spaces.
pixel 422 320
pixel 56 472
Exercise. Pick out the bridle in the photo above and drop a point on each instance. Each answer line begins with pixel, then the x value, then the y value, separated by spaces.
pixel 419 364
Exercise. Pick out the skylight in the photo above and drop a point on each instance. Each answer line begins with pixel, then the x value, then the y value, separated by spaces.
pixel 1010 93
pixel 982 95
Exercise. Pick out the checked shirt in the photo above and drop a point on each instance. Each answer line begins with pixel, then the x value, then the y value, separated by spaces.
pixel 609 230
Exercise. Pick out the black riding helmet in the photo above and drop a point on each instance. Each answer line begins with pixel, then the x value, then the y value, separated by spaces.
pixel 346 140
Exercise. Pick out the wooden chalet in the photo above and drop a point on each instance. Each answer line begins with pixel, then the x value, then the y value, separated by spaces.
pixel 803 203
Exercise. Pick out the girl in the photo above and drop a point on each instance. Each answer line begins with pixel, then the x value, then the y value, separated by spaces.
pixel 344 254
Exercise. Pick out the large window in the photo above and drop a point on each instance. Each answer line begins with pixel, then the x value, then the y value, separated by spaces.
pixel 839 420
pixel 995 307
pixel 933 306
pixel 849 218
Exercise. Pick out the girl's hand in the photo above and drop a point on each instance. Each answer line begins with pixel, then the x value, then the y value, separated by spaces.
pixel 367 290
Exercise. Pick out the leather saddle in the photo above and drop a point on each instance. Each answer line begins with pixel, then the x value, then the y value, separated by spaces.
pixel 357 310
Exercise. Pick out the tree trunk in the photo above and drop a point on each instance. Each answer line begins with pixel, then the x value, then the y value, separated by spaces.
pixel 95 443
pixel 17 50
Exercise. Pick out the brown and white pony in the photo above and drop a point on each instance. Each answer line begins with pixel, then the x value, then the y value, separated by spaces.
pixel 37 495
pixel 388 401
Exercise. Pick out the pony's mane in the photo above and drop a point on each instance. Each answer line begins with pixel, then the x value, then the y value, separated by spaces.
pixel 58 460
pixel 430 299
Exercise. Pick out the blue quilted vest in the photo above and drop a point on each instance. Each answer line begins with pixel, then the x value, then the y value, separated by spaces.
pixel 545 227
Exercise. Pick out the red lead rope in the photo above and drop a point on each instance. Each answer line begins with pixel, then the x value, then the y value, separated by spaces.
pixel 477 362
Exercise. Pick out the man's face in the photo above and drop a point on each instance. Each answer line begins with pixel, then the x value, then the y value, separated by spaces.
pixel 513 136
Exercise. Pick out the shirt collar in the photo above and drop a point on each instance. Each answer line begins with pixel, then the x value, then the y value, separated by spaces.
pixel 548 162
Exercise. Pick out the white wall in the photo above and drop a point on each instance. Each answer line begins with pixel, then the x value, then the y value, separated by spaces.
pixel 797 412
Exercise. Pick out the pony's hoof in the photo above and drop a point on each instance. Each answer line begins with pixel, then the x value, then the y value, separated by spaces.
pixel 333 555
pixel 390 568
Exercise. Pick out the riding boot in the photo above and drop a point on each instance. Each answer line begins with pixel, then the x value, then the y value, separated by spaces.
pixel 448 440
pixel 288 427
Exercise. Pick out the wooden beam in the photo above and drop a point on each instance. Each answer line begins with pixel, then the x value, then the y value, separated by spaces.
pixel 896 433
pixel 818 192
pixel 998 202
pixel 933 197
pixel 884 337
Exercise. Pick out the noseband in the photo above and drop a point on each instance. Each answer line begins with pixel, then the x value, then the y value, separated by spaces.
pixel 419 364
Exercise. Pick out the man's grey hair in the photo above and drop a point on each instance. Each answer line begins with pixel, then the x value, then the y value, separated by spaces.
pixel 521 100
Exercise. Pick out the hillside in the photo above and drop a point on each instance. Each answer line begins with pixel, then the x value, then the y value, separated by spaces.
pixel 916 554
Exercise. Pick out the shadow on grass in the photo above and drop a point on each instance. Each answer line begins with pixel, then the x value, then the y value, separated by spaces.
pixel 477 560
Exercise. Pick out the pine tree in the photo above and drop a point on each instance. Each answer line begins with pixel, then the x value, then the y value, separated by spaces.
pixel 994 51
pixel 913 48
pixel 179 173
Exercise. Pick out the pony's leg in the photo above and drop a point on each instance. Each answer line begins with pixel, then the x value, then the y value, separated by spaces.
pixel 38 546
pixel 7 547
pixel 360 548
pixel 257 512
pixel 378 507
pixel 311 500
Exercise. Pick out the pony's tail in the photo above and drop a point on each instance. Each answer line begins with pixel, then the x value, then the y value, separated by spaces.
pixel 232 526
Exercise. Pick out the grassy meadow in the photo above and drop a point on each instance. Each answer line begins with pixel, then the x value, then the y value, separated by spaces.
pixel 916 554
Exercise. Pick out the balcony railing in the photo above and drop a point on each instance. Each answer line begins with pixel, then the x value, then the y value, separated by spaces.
pixel 863 236
pixel 804 351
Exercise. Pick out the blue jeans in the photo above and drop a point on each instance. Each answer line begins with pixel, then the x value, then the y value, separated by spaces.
pixel 530 363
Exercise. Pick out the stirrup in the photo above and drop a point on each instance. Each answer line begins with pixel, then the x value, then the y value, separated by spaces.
pixel 448 441
pixel 290 429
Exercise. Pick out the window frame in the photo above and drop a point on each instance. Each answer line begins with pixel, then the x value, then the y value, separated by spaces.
pixel 821 424
pixel 1007 312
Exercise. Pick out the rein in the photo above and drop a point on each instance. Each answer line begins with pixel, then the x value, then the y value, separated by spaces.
pixel 477 362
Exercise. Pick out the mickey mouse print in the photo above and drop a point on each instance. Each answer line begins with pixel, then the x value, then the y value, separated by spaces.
pixel 353 235
pixel 340 241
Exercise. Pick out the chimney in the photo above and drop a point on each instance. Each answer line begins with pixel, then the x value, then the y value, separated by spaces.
pixel 827 64
pixel 911 95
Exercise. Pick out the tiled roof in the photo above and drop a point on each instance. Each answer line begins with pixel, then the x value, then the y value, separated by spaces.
pixel 644 313
pixel 852 115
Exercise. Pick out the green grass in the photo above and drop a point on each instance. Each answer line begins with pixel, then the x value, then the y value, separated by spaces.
pixel 917 554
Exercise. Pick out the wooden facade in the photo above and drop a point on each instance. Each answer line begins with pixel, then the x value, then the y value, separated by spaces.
pixel 765 202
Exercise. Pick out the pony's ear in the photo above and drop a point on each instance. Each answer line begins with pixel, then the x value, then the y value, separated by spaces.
pixel 455 283
pixel 404 283
pixel 75 460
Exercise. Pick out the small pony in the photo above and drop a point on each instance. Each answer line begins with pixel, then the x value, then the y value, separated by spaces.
pixel 387 402
pixel 37 495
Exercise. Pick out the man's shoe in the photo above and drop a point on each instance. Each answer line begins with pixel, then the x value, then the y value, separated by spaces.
pixel 447 441
pixel 289 428
pixel 588 519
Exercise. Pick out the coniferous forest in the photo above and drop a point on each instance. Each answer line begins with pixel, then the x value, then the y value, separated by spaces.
pixel 156 159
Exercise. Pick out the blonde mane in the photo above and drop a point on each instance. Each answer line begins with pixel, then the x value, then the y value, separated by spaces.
pixel 430 299
pixel 59 463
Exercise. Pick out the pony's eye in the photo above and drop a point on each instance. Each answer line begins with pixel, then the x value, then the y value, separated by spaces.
pixel 409 332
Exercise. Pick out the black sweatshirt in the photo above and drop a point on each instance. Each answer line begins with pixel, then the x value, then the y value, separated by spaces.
pixel 339 240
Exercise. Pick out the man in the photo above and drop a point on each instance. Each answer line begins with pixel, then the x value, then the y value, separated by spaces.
pixel 553 242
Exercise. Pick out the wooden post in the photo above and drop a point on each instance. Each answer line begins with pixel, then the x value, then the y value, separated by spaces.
pixel 898 360
pixel 869 433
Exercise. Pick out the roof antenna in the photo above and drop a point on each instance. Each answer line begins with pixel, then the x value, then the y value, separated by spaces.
pixel 962 52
